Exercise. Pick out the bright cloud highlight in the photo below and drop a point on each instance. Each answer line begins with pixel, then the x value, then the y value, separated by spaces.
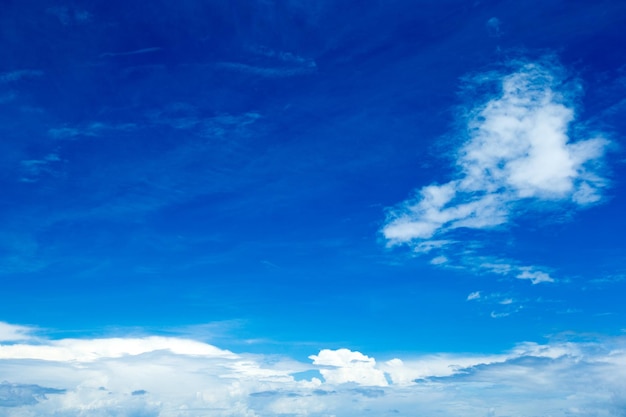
pixel 343 365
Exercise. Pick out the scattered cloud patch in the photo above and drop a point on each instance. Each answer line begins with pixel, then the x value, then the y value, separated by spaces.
pixel 519 155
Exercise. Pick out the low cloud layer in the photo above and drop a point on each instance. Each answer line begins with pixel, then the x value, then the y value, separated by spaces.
pixel 519 151
pixel 13 333
pixel 166 376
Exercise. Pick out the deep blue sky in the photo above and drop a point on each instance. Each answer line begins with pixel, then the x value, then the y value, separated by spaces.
pixel 231 171
pixel 232 161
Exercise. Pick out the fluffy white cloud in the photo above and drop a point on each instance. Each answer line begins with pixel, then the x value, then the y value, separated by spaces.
pixel 167 377
pixel 518 150
pixel 343 365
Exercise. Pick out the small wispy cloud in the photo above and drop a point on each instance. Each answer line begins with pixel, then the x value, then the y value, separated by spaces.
pixel 68 16
pixel 473 296
pixel 536 277
pixel 507 267
pixel 495 315
pixel 269 63
pixel 133 52
pixel 17 75
pixel 282 56
pixel 501 305
pixel 33 169
pixel 183 116
pixel 518 152
pixel 89 129
pixel 268 72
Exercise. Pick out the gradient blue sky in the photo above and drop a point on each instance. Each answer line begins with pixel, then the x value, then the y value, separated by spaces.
pixel 312 208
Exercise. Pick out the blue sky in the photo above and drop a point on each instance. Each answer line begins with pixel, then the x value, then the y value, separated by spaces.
pixel 312 208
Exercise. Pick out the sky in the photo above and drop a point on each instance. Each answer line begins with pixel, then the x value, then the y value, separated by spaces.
pixel 295 208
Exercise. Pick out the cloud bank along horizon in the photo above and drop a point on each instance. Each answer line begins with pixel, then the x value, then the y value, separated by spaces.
pixel 524 151
pixel 173 376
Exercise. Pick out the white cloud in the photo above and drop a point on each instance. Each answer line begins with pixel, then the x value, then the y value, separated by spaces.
pixel 500 268
pixel 13 333
pixel 507 267
pixel 473 296
pixel 163 376
pixel 439 260
pixel 77 350
pixel 535 277
pixel 518 150
pixel 343 365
